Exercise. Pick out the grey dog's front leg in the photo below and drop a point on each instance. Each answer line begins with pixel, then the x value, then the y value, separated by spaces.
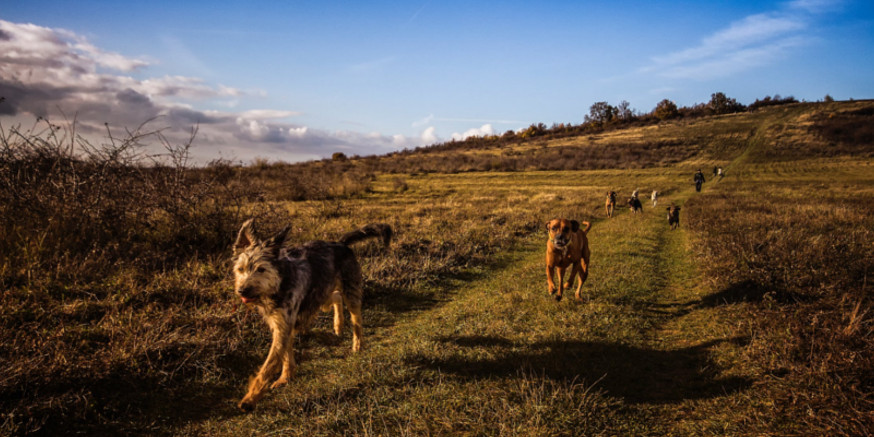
pixel 282 341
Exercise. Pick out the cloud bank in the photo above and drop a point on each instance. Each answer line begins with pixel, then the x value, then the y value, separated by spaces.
pixel 55 73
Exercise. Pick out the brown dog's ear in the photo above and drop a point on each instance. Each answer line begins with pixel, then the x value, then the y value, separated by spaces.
pixel 246 237
pixel 547 225
pixel 575 225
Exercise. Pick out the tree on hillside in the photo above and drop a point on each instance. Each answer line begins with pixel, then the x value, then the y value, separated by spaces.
pixel 665 110
pixel 600 113
pixel 772 101
pixel 721 104
pixel 534 130
pixel 624 111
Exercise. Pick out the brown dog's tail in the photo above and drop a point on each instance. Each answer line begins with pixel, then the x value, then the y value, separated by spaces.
pixel 586 229
pixel 374 230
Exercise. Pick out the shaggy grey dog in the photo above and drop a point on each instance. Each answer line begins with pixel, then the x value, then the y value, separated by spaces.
pixel 290 286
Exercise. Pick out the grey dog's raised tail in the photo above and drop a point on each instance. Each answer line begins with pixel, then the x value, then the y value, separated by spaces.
pixel 375 230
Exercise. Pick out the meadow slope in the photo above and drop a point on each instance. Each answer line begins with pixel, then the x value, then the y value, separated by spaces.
pixel 753 318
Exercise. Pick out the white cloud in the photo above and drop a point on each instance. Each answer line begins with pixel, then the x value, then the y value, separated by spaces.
pixel 183 87
pixel 429 136
pixel 754 41
pixel 297 131
pixel 816 6
pixel 268 114
pixel 481 131
pixel 29 44
pixel 752 30
pixel 254 128
pixel 424 121
pixel 734 62
pixel 106 59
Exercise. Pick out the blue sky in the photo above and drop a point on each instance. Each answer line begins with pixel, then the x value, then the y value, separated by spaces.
pixel 300 80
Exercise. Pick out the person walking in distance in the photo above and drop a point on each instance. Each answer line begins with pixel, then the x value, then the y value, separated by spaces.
pixel 699 179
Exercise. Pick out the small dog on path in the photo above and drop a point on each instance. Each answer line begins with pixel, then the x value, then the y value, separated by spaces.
pixel 290 286
pixel 611 203
pixel 567 246
pixel 634 204
pixel 674 216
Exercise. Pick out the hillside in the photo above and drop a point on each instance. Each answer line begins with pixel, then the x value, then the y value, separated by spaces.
pixel 792 131
pixel 754 318
pixel 785 132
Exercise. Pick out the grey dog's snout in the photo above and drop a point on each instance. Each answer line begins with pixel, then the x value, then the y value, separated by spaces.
pixel 247 292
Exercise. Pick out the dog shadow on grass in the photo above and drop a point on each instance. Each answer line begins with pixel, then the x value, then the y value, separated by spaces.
pixel 125 402
pixel 752 292
pixel 635 375
pixel 746 291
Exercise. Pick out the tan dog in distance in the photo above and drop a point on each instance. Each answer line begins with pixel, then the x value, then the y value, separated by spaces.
pixel 567 246
pixel 611 203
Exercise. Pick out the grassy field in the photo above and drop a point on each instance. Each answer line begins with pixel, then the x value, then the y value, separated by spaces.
pixel 753 318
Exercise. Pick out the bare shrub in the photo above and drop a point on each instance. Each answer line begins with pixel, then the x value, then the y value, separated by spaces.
pixel 69 208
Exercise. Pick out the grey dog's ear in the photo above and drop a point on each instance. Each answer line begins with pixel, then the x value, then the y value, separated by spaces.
pixel 280 236
pixel 246 237
pixel 278 240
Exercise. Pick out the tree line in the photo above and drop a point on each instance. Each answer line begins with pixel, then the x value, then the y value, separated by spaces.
pixel 604 116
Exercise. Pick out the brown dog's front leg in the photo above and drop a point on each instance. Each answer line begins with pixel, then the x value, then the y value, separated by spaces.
pixel 575 270
pixel 276 356
pixel 549 272
pixel 584 273
pixel 560 284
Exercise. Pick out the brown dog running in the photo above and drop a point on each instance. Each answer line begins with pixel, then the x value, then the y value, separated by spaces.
pixel 611 203
pixel 567 246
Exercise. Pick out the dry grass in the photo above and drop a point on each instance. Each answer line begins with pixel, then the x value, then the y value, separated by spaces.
pixel 792 250
pixel 753 318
